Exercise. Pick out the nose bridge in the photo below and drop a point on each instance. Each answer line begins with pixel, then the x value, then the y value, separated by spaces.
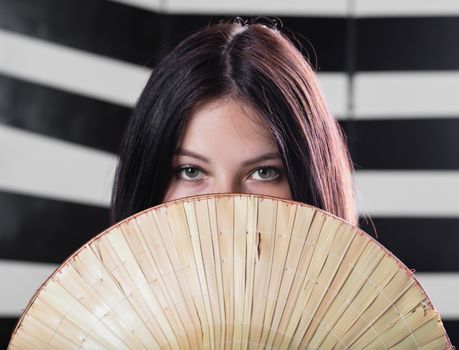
pixel 226 184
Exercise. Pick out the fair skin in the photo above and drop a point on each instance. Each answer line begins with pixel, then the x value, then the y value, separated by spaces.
pixel 226 148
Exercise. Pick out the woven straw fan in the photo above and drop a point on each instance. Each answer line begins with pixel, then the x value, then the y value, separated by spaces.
pixel 231 272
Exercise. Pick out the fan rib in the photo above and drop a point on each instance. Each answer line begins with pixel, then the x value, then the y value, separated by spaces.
pixel 231 271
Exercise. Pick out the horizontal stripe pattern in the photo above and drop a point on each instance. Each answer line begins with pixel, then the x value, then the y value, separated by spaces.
pixel 62 115
pixel 20 281
pixel 36 229
pixel 394 143
pixel 59 170
pixel 151 5
pixel 334 87
pixel 407 43
pixel 40 166
pixel 393 8
pixel 257 7
pixel 119 37
pixel 399 112
pixel 423 244
pixel 116 34
pixel 88 121
pixel 70 69
pixel 7 325
pixel 411 239
pixel 100 77
pixel 403 144
pixel 408 193
pixel 361 8
pixel 376 144
pixel 419 94
pixel 443 289
pixel 322 39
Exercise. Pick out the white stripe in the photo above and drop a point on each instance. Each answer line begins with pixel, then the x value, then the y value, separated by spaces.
pixel 406 94
pixel 70 69
pixel 20 280
pixel 101 77
pixel 258 7
pixel 380 8
pixel 41 166
pixel 241 7
pixel 362 8
pixel 442 289
pixel 408 193
pixel 335 89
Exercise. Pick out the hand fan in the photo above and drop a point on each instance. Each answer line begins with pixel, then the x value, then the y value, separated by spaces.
pixel 231 272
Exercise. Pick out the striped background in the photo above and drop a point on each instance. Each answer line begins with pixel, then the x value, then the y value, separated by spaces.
pixel 71 70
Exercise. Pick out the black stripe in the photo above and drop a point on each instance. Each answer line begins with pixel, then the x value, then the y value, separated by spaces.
pixel 143 37
pixel 404 144
pixel 42 230
pixel 422 244
pixel 408 43
pixel 100 26
pixel 324 37
pixel 7 325
pixel 452 328
pixel 37 229
pixel 61 114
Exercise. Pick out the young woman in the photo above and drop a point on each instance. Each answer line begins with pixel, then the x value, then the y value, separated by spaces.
pixel 233 108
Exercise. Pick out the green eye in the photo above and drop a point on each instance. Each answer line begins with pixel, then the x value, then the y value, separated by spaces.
pixel 265 174
pixel 189 173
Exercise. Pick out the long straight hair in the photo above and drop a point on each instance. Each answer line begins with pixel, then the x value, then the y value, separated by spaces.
pixel 254 64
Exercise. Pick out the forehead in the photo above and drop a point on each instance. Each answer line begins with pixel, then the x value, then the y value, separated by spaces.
pixel 229 122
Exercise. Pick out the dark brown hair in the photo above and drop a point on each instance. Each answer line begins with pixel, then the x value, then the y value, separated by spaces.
pixel 257 65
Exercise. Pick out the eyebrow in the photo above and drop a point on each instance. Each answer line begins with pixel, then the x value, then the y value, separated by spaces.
pixel 184 152
pixel 266 156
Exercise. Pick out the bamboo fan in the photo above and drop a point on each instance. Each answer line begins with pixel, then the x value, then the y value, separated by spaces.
pixel 231 272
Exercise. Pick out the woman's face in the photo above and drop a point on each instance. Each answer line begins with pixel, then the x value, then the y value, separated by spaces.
pixel 226 148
